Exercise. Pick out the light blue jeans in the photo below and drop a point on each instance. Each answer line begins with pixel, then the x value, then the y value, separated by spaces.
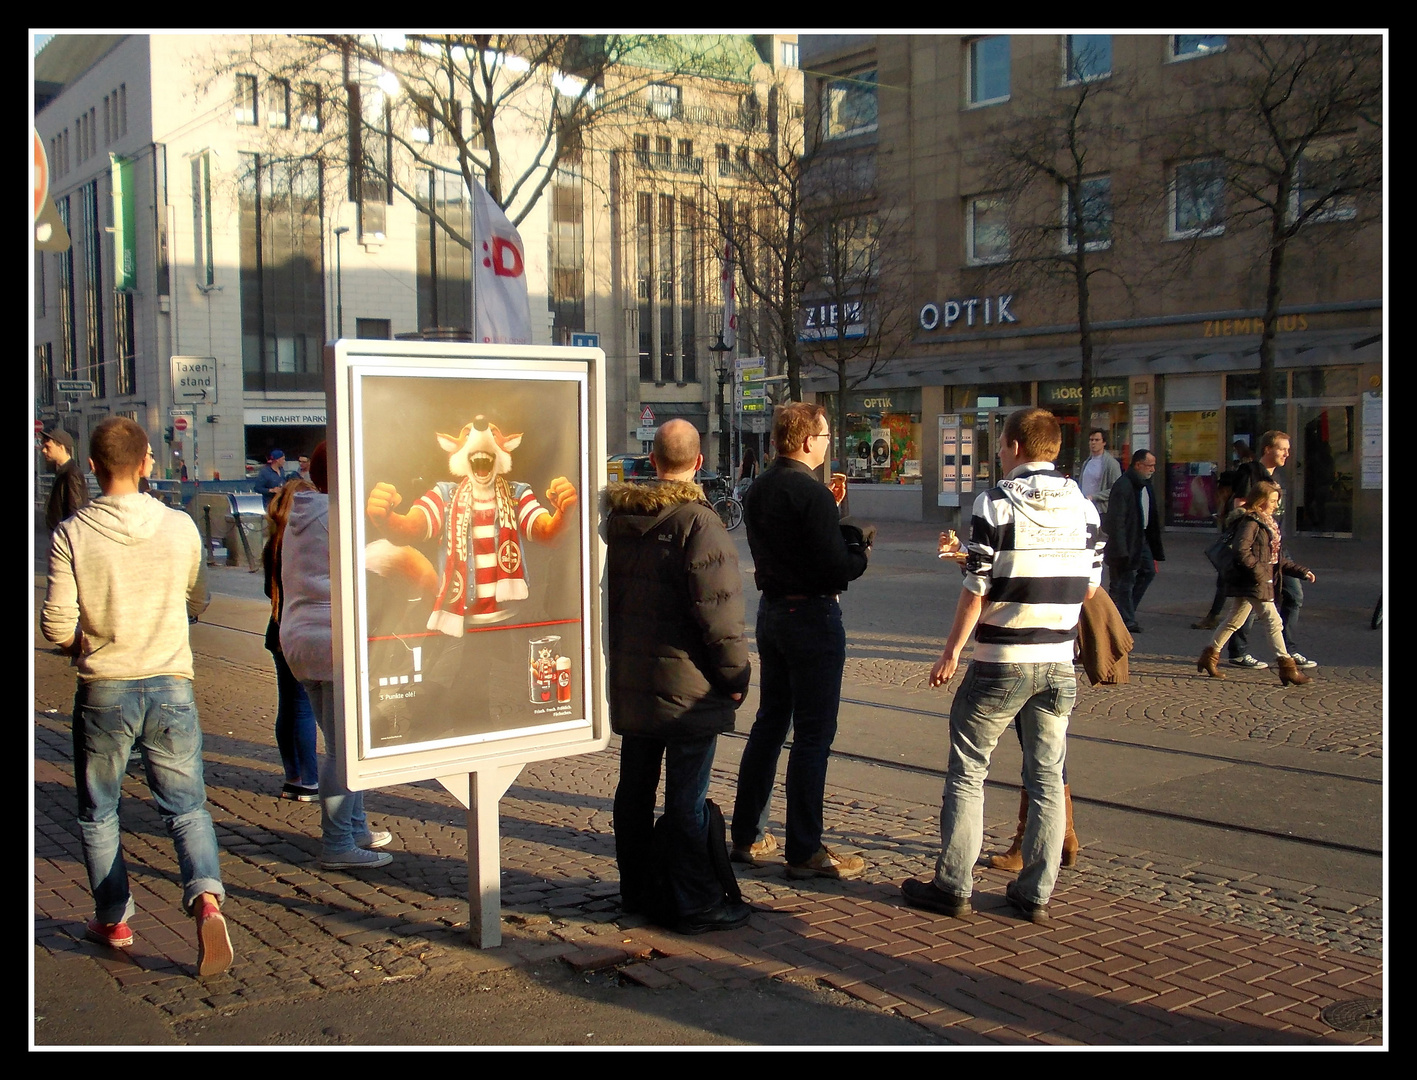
pixel 342 821
pixel 1041 696
pixel 159 715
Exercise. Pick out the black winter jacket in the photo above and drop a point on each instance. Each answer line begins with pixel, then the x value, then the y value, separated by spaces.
pixel 676 652
pixel 1123 522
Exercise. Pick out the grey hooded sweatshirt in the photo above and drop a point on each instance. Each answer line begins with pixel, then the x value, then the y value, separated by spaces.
pixel 125 572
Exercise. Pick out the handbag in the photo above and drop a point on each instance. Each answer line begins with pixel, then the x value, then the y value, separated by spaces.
pixel 1222 552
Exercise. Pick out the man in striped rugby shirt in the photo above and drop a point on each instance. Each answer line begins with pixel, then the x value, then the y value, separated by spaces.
pixel 1034 556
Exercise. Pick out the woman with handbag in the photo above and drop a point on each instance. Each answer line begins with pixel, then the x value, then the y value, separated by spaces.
pixel 1250 583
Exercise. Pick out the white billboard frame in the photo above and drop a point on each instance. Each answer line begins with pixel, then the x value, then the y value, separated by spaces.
pixel 351 365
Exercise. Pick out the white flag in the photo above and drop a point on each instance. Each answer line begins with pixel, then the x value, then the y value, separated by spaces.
pixel 730 306
pixel 503 313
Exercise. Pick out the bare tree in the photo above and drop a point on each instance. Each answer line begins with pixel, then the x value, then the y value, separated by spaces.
pixel 1055 211
pixel 818 255
pixel 1293 133
pixel 454 104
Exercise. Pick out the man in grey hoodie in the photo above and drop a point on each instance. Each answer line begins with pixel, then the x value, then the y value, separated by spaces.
pixel 125 575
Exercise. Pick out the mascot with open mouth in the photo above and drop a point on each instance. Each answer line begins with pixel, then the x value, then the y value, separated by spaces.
pixel 482 519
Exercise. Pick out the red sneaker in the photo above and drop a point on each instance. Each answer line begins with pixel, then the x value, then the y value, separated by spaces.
pixel 116 935
pixel 214 953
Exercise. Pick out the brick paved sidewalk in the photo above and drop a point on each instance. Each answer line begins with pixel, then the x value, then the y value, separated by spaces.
pixel 1111 970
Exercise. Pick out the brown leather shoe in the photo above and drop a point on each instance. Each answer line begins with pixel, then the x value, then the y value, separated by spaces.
pixel 1209 662
pixel 828 864
pixel 1289 672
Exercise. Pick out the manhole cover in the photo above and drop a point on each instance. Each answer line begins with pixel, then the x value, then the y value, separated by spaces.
pixel 1361 1014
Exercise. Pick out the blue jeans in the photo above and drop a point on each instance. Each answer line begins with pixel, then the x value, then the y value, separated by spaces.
pixel 342 821
pixel 991 696
pixel 159 716
pixel 295 727
pixel 802 646
pixel 1128 584
pixel 688 763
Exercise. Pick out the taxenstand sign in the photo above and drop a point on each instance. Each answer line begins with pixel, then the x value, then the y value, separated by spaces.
pixel 466 571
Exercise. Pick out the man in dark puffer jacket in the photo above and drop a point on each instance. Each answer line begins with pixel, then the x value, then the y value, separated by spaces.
pixel 678 666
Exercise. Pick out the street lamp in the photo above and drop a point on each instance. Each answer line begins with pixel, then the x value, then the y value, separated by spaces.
pixel 340 230
pixel 718 348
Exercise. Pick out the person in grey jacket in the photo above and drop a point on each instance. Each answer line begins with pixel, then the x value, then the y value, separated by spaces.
pixel 126 573
pixel 678 669
pixel 1099 472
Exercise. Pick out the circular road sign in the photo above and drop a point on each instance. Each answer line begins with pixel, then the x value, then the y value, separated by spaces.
pixel 180 423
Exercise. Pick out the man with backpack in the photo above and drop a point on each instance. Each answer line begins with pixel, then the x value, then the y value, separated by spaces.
pixel 678 670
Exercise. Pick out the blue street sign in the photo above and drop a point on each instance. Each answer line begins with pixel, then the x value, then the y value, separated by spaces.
pixel 586 341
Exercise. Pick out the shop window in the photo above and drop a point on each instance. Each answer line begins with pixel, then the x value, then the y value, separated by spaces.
pixel 881 436
pixel 1192 439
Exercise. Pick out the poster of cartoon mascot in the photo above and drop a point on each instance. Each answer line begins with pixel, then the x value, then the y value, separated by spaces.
pixel 472 555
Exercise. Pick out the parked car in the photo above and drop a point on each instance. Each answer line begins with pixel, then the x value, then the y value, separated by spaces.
pixel 631 467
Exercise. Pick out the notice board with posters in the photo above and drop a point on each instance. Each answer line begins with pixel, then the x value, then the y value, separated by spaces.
pixel 466 568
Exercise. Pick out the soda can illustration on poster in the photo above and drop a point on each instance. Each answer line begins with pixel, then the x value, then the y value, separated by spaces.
pixel 472 542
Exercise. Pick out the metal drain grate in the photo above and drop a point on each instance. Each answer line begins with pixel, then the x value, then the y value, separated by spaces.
pixel 1360 1014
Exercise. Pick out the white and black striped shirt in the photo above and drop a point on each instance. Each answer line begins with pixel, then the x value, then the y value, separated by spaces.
pixel 1033 553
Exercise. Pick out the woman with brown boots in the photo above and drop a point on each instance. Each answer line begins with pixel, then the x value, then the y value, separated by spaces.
pixel 1250 583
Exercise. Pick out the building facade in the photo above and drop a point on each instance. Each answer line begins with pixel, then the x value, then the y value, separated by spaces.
pixel 1176 297
pixel 221 237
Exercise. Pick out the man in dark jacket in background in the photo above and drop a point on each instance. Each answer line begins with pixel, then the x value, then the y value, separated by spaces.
pixel 1133 528
pixel 678 667
pixel 70 490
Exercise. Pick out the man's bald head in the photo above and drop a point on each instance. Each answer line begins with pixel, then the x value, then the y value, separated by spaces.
pixel 676 450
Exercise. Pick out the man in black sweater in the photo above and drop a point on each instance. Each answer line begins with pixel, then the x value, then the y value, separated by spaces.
pixel 70 490
pixel 801 563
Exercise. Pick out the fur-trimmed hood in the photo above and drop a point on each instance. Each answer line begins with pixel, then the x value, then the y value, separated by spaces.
pixel 651 498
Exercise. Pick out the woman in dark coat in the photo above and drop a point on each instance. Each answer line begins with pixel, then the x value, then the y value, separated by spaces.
pixel 1250 583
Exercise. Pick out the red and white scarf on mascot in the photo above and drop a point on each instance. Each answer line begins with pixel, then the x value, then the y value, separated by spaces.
pixel 482 544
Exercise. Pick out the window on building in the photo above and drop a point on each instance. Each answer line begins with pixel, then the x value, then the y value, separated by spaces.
pixel 68 322
pixel 989 70
pixel 202 218
pixel 1087 57
pixel 125 344
pixel 789 54
pixel 688 286
pixel 663 100
pixel 39 297
pixel 566 242
pixel 122 111
pixel 375 168
pixel 1095 195
pixel 663 145
pixel 374 329
pixel 1196 197
pixel 282 274
pixel 686 148
pixel 444 264
pixel 107 120
pixel 277 103
pixel 986 229
pixel 310 113
pixel 666 264
pixel 644 271
pixel 849 104
pixel 93 237
pixel 1317 178
pixel 44 374
pixel 245 99
pixel 1186 46
pixel 421 131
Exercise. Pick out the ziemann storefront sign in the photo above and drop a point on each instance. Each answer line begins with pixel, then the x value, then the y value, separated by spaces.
pixel 972 311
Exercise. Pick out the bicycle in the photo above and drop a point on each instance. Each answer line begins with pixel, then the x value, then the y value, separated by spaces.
pixel 724 503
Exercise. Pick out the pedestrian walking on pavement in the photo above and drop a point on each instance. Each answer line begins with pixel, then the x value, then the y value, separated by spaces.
pixel 126 573
pixel 1289 597
pixel 802 561
pixel 678 669
pixel 1133 529
pixel 69 490
pixel 1034 557
pixel 306 639
pixel 295 719
pixel 1250 585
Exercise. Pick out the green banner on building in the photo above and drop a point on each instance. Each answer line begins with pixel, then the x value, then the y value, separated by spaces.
pixel 125 255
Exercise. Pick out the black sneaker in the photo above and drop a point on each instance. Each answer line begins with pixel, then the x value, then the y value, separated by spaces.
pixel 726 915
pixel 930 897
pixel 299 793
pixel 1034 913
